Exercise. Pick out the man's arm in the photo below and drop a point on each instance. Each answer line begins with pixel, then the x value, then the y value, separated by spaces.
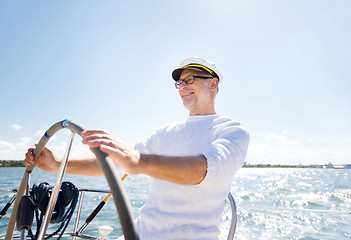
pixel 189 170
pixel 87 167
pixel 49 162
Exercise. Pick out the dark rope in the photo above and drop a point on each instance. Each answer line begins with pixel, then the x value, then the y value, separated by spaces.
pixel 64 208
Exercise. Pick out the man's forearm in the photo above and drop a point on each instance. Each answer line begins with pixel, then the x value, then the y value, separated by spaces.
pixel 88 167
pixel 190 170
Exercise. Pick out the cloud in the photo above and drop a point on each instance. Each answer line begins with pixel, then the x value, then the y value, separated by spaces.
pixel 276 148
pixel 278 138
pixel 17 150
pixel 78 150
pixel 266 148
pixel 41 133
pixel 14 151
pixel 274 154
pixel 15 127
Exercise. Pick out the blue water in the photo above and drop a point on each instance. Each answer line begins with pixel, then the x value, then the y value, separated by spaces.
pixel 269 202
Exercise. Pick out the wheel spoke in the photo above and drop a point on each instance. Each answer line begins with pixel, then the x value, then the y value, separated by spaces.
pixel 55 191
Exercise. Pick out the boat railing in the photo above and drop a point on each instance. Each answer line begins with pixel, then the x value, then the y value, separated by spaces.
pixel 77 232
pixel 234 217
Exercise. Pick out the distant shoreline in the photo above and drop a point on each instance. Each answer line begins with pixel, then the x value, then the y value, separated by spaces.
pixel 12 163
pixel 20 163
pixel 324 166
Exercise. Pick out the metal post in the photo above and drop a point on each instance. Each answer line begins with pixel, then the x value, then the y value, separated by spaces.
pixel 24 231
pixel 55 191
pixel 78 214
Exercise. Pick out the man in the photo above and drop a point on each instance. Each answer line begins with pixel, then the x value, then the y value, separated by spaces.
pixel 192 163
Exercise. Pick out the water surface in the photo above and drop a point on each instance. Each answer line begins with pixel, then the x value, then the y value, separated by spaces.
pixel 269 200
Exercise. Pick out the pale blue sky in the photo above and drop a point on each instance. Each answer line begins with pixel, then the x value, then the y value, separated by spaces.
pixel 108 64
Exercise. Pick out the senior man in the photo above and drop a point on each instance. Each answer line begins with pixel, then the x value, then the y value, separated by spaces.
pixel 192 163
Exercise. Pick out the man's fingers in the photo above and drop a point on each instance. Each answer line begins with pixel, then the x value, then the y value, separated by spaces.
pixel 98 142
pixel 96 137
pixel 111 151
pixel 92 132
pixel 29 157
pixel 30 154
pixel 108 149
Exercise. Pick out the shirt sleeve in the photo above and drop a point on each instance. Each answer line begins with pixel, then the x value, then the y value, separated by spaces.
pixel 226 154
pixel 149 146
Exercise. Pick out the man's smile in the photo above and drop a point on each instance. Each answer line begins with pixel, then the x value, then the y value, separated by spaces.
pixel 187 94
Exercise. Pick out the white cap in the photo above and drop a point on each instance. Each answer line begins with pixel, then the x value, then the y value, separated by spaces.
pixel 197 64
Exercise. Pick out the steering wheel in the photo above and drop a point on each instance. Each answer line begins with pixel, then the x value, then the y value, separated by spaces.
pixel 122 203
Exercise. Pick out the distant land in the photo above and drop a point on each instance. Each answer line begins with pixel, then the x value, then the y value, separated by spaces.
pixel 329 165
pixel 11 163
pixel 20 163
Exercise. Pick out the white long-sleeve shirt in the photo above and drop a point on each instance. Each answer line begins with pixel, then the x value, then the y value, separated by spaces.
pixel 175 211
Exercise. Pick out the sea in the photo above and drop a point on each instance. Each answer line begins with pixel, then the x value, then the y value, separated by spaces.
pixel 273 203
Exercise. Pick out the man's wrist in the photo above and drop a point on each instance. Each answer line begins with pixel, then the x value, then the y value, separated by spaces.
pixel 142 163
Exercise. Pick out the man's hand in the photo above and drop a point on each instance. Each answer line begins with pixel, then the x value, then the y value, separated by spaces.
pixel 47 160
pixel 121 154
pixel 189 170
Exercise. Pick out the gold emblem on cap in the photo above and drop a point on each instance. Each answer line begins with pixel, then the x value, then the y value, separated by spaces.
pixel 198 66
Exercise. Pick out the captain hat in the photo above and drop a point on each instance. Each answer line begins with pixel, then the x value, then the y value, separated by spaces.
pixel 197 64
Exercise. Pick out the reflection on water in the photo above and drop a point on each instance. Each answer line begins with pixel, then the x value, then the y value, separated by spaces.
pixel 263 196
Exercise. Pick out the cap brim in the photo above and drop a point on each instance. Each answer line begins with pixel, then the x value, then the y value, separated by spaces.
pixel 177 72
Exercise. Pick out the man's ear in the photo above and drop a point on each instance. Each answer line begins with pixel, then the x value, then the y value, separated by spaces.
pixel 214 84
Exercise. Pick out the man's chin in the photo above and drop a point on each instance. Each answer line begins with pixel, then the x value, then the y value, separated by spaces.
pixel 188 105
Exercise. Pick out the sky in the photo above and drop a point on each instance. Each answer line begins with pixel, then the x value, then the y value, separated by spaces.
pixel 286 69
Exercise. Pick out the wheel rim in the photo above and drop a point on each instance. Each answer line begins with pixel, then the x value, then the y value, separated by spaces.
pixel 122 203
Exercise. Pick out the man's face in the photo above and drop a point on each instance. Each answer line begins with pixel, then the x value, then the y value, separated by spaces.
pixel 198 96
